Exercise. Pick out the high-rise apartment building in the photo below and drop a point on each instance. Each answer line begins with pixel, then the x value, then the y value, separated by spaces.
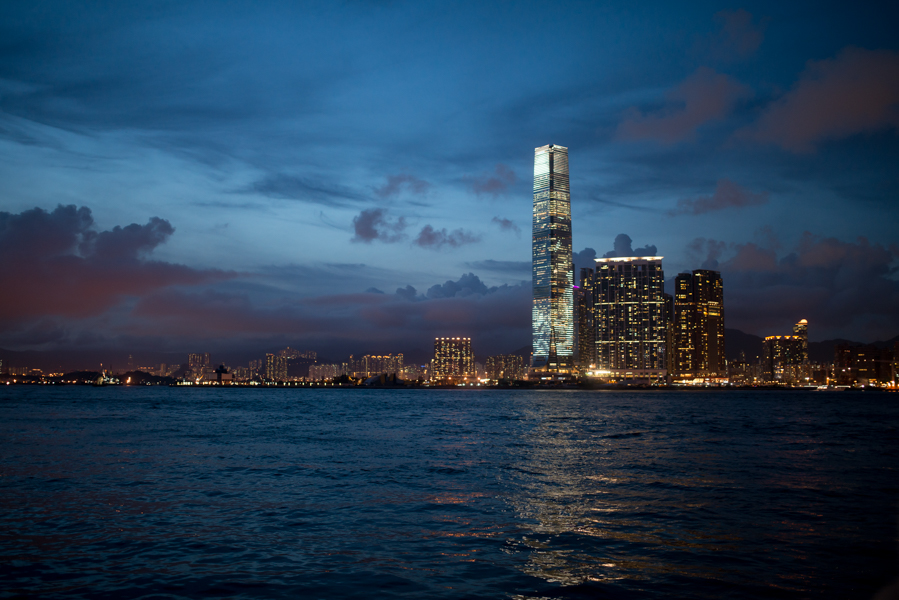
pixel 782 357
pixel 371 364
pixel 275 367
pixel 629 311
pixel 505 366
pixel 293 354
pixel 552 318
pixel 453 358
pixel 800 330
pixel 586 338
pixel 698 325
pixel 199 361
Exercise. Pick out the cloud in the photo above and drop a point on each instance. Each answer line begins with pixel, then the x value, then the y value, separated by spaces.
pixel 506 225
pixel 708 250
pixel 583 259
pixel 727 195
pixel 495 184
pixel 372 224
pixel 496 317
pixel 397 183
pixel 289 187
pixel 56 263
pixel 435 239
pixel 407 293
pixel 468 284
pixel 623 248
pixel 738 37
pixel 844 289
pixel 503 266
pixel 704 96
pixel 856 92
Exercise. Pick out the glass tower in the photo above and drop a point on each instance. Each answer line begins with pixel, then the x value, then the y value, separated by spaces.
pixel 552 319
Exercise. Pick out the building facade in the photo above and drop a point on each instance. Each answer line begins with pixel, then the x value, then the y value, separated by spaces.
pixel 800 330
pixel 782 358
pixel 275 367
pixel 553 274
pixel 863 365
pixel 698 323
pixel 372 364
pixel 505 366
pixel 629 311
pixel 586 339
pixel 453 359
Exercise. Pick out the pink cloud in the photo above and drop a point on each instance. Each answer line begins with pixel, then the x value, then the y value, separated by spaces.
pixel 372 224
pixel 397 183
pixel 435 239
pixel 856 92
pixel 497 183
pixel 843 288
pixel 703 97
pixel 55 263
pixel 727 195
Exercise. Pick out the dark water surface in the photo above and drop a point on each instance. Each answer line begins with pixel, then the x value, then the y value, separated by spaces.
pixel 149 492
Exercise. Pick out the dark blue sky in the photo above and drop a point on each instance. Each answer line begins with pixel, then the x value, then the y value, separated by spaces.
pixel 256 174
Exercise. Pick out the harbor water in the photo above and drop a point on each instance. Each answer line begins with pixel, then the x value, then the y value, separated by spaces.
pixel 148 492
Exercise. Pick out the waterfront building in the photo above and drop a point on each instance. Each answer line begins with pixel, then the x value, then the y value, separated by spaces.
pixel 324 372
pixel 552 318
pixel 863 365
pixel 505 366
pixel 670 346
pixel 782 359
pixel 698 322
pixel 371 364
pixel 800 330
pixel 275 367
pixel 586 341
pixel 294 354
pixel 453 359
pixel 199 362
pixel 629 312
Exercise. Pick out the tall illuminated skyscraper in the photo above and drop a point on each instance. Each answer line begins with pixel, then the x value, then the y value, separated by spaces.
pixel 552 318
pixel 801 329
pixel 630 313
pixel 699 325
pixel 586 330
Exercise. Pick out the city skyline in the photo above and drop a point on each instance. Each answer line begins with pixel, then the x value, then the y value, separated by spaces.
pixel 241 180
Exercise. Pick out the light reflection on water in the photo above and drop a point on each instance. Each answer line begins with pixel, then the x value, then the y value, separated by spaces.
pixel 253 493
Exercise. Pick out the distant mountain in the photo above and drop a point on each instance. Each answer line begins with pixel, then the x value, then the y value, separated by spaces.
pixel 737 342
pixel 823 352
pixel 524 351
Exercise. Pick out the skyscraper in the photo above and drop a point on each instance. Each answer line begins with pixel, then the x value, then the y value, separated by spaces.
pixel 801 329
pixel 275 367
pixel 699 324
pixel 453 358
pixel 630 315
pixel 505 366
pixel 782 357
pixel 552 317
pixel 586 339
